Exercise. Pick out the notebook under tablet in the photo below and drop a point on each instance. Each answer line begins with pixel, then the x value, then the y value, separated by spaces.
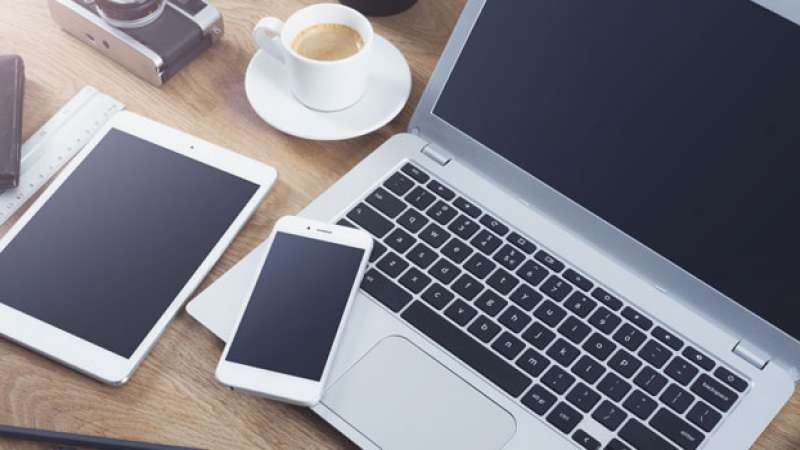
pixel 94 271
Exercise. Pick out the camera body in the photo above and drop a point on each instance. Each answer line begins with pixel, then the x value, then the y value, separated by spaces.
pixel 155 51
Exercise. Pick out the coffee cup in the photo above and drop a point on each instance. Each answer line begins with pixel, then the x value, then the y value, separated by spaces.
pixel 324 49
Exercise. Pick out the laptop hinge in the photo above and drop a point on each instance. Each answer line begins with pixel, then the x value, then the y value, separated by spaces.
pixel 438 156
pixel 751 355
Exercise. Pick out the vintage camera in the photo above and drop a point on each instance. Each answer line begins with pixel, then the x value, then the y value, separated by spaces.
pixel 152 38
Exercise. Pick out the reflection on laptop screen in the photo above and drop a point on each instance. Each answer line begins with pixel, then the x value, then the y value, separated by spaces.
pixel 678 122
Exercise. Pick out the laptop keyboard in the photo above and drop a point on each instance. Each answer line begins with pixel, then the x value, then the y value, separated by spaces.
pixel 567 349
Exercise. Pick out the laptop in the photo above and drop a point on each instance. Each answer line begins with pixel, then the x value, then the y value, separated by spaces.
pixel 586 239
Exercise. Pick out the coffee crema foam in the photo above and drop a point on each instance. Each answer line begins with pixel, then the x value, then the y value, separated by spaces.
pixel 328 42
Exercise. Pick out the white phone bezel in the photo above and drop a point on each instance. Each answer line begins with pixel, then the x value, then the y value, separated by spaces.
pixel 82 355
pixel 276 385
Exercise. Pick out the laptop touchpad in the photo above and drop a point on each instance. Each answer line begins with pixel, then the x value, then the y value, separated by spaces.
pixel 399 397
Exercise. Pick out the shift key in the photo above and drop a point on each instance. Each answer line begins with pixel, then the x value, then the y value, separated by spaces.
pixel 675 428
pixel 385 290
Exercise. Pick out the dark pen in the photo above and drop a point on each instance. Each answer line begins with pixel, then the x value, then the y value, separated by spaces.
pixel 70 439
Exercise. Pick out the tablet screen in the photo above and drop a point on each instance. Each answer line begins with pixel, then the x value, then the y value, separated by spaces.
pixel 115 244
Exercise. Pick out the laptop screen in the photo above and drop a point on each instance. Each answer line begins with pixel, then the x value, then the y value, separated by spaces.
pixel 677 122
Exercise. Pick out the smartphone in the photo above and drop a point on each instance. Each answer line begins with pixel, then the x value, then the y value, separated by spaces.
pixel 287 332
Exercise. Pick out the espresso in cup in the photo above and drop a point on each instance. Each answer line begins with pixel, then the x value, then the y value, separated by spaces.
pixel 328 42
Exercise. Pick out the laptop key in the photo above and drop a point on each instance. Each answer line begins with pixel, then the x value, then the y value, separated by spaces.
pixel 640 404
pixel 563 352
pixel 467 287
pixel 676 398
pixel 415 173
pixel 463 227
pixel 564 417
pixel 460 312
pixel 556 288
pixel 637 318
pixel 479 265
pixel 503 281
pixel 538 335
pixel 378 249
pixel 580 304
pixel 486 242
pixel 538 399
pixel 368 219
pixel 549 261
pixel 614 387
pixel 574 330
pixel 422 255
pixel 442 212
pixel 704 416
pixel 384 290
pixel 437 296
pixel 392 265
pixel 616 444
pixel 490 303
pixel 444 271
pixel 607 299
pixel 533 362
pixel 694 355
pixel 521 243
pixel 641 437
pixel 624 363
pixel 651 381
pixel 730 379
pixel 678 430
pixel 465 348
pixel 514 319
pixel 420 198
pixel 441 190
pixel 714 392
pixel 668 338
pixel 557 379
pixel 509 257
pixel 578 280
pixel 598 346
pixel 434 235
pixel 456 250
pixel 525 297
pixel 398 183
pixel 609 415
pixel 629 337
pixel 345 223
pixel 386 202
pixel 508 345
pixel 399 240
pixel 414 280
pixel 585 440
pixel 484 329
pixel 467 207
pixel 532 273
pixel 412 220
pixel 681 370
pixel 588 369
pixel 583 397
pixel 655 353
pixel 604 320
pixel 494 225
pixel 550 313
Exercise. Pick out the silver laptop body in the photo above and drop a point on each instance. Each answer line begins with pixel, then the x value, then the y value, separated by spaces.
pixel 394 387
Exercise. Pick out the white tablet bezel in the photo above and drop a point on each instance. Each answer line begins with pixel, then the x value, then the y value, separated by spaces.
pixel 80 354
pixel 277 385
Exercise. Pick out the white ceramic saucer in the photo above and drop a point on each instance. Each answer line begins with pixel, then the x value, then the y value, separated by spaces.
pixel 267 87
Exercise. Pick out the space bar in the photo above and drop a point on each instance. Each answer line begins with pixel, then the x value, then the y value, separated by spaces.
pixel 466 348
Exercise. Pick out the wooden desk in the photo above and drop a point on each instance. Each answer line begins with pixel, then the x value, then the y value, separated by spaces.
pixel 173 397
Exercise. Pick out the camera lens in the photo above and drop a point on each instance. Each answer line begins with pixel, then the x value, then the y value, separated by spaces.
pixel 130 13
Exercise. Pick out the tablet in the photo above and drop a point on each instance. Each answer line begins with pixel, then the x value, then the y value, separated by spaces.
pixel 94 271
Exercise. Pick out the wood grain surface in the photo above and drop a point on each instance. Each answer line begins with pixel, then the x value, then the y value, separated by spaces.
pixel 173 397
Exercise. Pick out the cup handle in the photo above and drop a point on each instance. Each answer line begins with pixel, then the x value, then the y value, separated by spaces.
pixel 267 34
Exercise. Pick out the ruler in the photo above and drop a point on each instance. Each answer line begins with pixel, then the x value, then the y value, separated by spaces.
pixel 56 142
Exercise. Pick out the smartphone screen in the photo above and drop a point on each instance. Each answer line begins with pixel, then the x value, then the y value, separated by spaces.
pixel 293 315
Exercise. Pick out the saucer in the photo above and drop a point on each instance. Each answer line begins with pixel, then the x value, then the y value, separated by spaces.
pixel 268 91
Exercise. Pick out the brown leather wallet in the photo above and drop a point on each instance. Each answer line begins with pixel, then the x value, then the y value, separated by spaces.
pixel 12 84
